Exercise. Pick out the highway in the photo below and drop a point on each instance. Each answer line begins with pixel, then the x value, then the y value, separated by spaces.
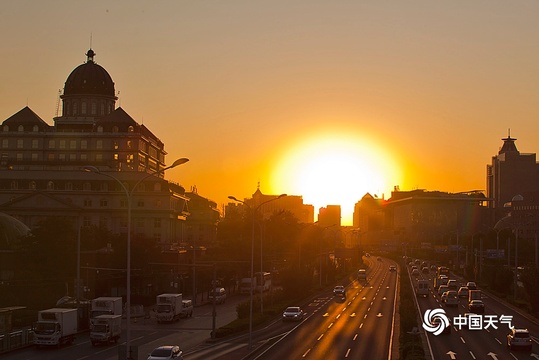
pixel 483 343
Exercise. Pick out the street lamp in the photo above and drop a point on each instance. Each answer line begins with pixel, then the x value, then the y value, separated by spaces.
pixel 128 195
pixel 253 213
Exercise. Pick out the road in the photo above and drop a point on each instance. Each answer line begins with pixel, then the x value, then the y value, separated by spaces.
pixel 359 327
pixel 484 343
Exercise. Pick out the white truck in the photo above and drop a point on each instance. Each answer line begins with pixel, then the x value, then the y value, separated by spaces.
pixel 187 308
pixel 105 305
pixel 105 329
pixel 169 307
pixel 55 327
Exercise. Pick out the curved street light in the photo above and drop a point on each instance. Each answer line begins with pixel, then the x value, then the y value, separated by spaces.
pixel 253 213
pixel 128 195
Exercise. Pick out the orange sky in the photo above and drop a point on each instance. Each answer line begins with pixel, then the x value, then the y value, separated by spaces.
pixel 241 87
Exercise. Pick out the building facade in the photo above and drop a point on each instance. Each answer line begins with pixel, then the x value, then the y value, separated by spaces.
pixel 42 166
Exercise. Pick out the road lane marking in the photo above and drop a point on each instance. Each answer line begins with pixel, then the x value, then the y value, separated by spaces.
pixel 355 337
pixel 472 355
pixel 306 352
pixel 320 337
pixel 462 339
pixel 347 353
pixel 330 325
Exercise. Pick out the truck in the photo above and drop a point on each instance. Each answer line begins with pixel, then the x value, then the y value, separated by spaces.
pixel 474 295
pixel 362 274
pixel 245 285
pixel 105 305
pixel 169 307
pixel 106 329
pixel 55 327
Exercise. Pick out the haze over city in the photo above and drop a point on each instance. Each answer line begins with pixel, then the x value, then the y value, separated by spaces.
pixel 328 100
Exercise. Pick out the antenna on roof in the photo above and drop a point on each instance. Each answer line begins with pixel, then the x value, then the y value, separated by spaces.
pixel 90 40
pixel 509 133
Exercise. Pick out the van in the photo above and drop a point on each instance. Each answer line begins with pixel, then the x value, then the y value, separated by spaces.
pixel 219 294
pixel 187 308
pixel 422 288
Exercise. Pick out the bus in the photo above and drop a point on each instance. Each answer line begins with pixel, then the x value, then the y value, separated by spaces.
pixel 263 281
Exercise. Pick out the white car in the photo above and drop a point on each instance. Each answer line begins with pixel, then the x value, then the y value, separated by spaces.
pixel 293 313
pixel 168 352
pixel 519 338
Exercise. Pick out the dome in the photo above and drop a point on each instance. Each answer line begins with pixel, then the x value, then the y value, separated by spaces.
pixel 89 79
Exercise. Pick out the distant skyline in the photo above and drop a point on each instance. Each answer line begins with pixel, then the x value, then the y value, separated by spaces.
pixel 327 100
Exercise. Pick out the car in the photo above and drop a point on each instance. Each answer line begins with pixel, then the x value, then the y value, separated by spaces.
pixel 452 284
pixel 293 313
pixel 442 289
pixel 392 268
pixel 471 285
pixel 519 338
pixel 443 279
pixel 339 290
pixel 167 352
pixel 451 298
pixel 422 288
pixel 463 292
pixel 415 272
pixel 219 294
pixel 436 320
pixel 476 306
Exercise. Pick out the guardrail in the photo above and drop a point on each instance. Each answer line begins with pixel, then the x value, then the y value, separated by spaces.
pixel 15 340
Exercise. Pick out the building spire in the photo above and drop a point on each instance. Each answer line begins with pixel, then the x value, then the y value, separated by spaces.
pixel 508 144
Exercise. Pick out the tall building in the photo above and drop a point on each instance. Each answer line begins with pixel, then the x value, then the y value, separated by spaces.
pixel 41 165
pixel 510 173
pixel 329 215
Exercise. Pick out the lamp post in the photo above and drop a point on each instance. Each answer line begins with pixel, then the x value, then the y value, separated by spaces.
pixel 128 195
pixel 253 218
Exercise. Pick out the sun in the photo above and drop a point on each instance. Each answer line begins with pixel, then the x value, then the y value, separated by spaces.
pixel 336 169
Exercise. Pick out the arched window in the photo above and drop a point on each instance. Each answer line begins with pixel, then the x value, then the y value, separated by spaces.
pixel 21 128
pixel 6 127
pixel 35 128
pixel 115 129
pixel 130 129
pixel 83 108
pixel 87 186
pixel 50 185
pixel 75 108
pixel 100 129
pixel 32 185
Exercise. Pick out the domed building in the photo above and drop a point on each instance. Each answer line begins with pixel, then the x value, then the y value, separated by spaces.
pixel 42 165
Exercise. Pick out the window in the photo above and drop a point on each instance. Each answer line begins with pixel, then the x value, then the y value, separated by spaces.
pixel 99 144
pixel 62 144
pixel 83 108
pixel 157 237
pixel 94 108
pixel 6 128
pixel 50 157
pixel 115 129
pixel 61 157
pixel 35 156
pixel 129 144
pixel 20 143
pixel 86 221
pixel 20 128
pixel 130 129
pixel 84 144
pixel 116 156
pixel 14 185
pixel 75 110
pixel 157 222
pixel 103 203
pixel 52 144
pixel 102 109
pixel 157 187
pixel 35 144
pixel 32 185
pixel 98 157
pixel 50 185
pixel 69 186
pixel 100 129
pixel 123 203
pixel 84 157
pixel 87 202
pixel 72 157
pixel 5 143
pixel 140 203
pixel 87 186
pixel 73 144
pixel 19 157
pixel 103 222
